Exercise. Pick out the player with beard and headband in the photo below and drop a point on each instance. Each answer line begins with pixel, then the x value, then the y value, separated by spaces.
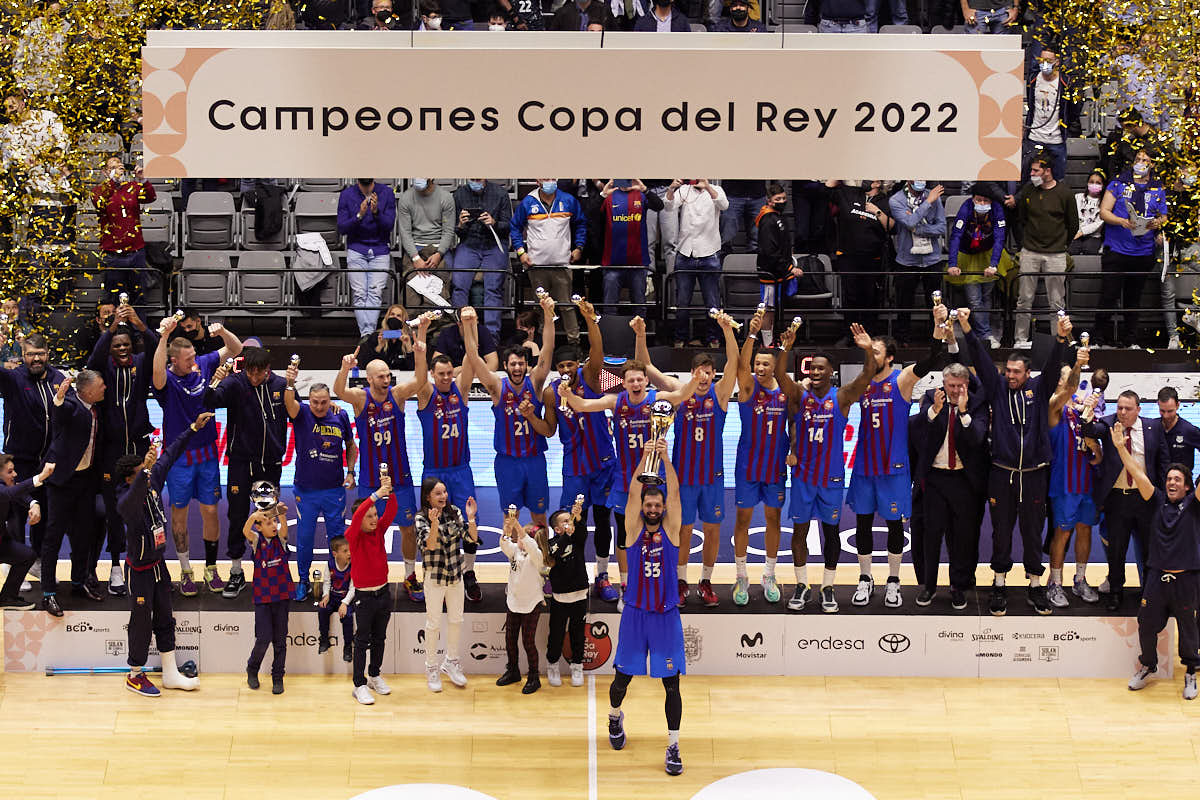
pixel 589 459
pixel 819 413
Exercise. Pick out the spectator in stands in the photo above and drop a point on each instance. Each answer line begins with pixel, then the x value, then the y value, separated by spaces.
pixel 745 198
pixel 920 228
pixel 528 334
pixel 13 330
pixel 118 204
pixel 624 208
pixel 1134 209
pixel 191 327
pixel 392 344
pixel 696 205
pixel 898 9
pixel 810 216
pixel 744 17
pixel 39 54
pixel 664 18
pixel 774 262
pixel 89 333
pixel 382 18
pixel 456 15
pixel 1135 134
pixel 425 214
pixel 548 232
pixel 366 216
pixel 575 15
pixel 449 342
pixel 483 211
pixel 431 16
pixel 1090 236
pixel 1049 220
pixel 1142 85
pixel 1051 117
pixel 521 15
pixel 662 229
pixel 837 16
pixel 976 249
pixel 34 145
pixel 989 16
pixel 862 230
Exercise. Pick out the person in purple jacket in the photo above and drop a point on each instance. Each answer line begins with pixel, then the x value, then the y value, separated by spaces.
pixel 975 249
pixel 366 216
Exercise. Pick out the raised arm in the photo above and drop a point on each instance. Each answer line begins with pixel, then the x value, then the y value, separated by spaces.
pixel 595 362
pixel 913 373
pixel 981 359
pixel 745 375
pixel 674 510
pixel 470 332
pixel 683 392
pixel 794 391
pixel 158 363
pixel 581 405
pixel 232 346
pixel 549 411
pixel 420 379
pixel 99 355
pixel 642 353
pixel 542 368
pixel 849 394
pixel 1062 396
pixel 729 377
pixel 1140 479
pixel 290 403
pixel 527 410
pixel 357 398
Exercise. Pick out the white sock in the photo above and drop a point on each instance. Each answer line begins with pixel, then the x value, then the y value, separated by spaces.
pixel 998 578
pixel 235 566
pixel 770 567
pixel 1080 571
pixel 894 560
pixel 115 577
pixel 864 565
pixel 601 564
pixel 185 563
pixel 672 738
pixel 410 567
pixel 801 571
pixel 706 572
pixel 1034 581
pixel 468 561
pixel 741 566
pixel 134 671
pixel 614 712
pixel 1056 575
pixel 827 577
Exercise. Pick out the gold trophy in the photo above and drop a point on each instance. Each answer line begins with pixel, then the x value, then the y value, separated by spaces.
pixel 716 312
pixel 295 362
pixel 318 584
pixel 177 316
pixel 795 326
pixel 542 293
pixel 215 382
pixel 662 414
pixel 577 299
pixel 123 299
pixel 383 472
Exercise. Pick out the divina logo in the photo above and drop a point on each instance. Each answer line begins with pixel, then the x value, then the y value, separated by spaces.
pixel 747 641
pixel 222 628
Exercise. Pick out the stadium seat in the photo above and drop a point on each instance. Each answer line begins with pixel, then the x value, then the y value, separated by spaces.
pixel 87 226
pixel 135 144
pixel 209 221
pixel 1083 292
pixel 798 28
pixel 901 29
pixel 206 281
pixel 261 293
pixel 618 336
pixel 322 184
pixel 108 143
pixel 316 212
pixel 250 240
pixel 698 28
pixel 944 29
pixel 741 288
pixel 158 221
pixel 953 204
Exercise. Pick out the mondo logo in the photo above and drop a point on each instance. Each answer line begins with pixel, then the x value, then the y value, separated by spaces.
pixel 894 643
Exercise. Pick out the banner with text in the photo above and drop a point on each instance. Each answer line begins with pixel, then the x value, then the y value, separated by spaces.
pixel 820 106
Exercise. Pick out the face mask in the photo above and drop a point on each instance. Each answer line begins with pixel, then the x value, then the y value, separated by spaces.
pixel 983 208
pixel 477 186
pixel 549 187
pixel 392 323
pixel 1141 169
pixel 496 27
pixel 1047 68
pixel 1189 180
pixel 420 184
pixel 1095 189
pixel 917 186
pixel 779 206
pixel 433 23
pixel 1036 180
pixel 739 15
pixel 365 182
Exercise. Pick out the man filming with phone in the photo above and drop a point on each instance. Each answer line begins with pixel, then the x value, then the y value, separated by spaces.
pixel 482 211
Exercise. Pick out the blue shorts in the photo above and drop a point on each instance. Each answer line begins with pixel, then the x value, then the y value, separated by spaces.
pixel 814 502
pixel 460 483
pixel 595 487
pixel 406 502
pixel 522 482
pixel 708 500
pixel 646 634
pixel 188 482
pixel 748 494
pixel 1069 510
pixel 889 496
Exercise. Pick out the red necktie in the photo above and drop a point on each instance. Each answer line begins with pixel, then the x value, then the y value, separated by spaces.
pixel 951 456
pixel 1129 449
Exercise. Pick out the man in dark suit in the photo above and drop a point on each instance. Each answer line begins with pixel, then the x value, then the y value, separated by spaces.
pixel 14 506
pixel 952 468
pixel 1115 491
pixel 72 489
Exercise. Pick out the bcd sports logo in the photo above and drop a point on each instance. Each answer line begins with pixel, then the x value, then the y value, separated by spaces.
pixel 597 645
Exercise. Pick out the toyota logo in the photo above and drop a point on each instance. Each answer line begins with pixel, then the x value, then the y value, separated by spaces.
pixel 894 643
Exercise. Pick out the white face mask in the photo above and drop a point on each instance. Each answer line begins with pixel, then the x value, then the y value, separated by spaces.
pixel 495 27
pixel 1036 180
pixel 433 23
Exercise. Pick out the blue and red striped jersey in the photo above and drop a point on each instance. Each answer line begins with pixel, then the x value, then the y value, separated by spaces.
pixel 625 240
pixel 444 429
pixel 514 435
pixel 1071 469
pixel 882 447
pixel 339 579
pixel 699 426
pixel 586 438
pixel 820 440
pixel 631 432
pixel 272 580
pixel 381 441
pixel 653 582
pixel 763 445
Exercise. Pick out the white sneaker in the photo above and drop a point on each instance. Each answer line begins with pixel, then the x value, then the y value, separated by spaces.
pixel 862 595
pixel 378 685
pixel 1140 678
pixel 1189 686
pixel 1192 319
pixel 433 679
pixel 577 674
pixel 1022 344
pixel 363 695
pixel 1056 595
pixel 26 586
pixel 1084 592
pixel 454 672
pixel 553 675
pixel 892 597
pixel 993 342
pixel 1174 344
pixel 36 570
pixel 1103 588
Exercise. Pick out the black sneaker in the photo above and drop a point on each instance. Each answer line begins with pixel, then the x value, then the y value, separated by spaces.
pixel 471 587
pixel 510 676
pixel 1039 601
pixel 673 763
pixel 532 684
pixel 616 730
pixel 234 586
pixel 1112 602
pixel 998 604
pixel 17 603
pixel 348 652
pixel 958 599
pixel 276 685
pixel 322 644
pixel 252 679
pixel 924 597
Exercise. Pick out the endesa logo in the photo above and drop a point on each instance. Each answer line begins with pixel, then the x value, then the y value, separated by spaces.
pixel 831 643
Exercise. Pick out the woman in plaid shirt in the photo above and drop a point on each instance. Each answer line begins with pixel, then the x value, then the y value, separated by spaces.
pixel 441 529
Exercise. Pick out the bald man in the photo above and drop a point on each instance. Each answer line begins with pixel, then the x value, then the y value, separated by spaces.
pixel 379 418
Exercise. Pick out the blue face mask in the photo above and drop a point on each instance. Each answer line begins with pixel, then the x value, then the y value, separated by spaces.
pixel 549 187
pixel 1046 67
pixel 475 186
pixel 983 208
pixel 1141 169
pixel 420 184
pixel 917 186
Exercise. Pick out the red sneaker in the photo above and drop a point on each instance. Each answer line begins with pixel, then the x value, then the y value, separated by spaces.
pixel 416 592
pixel 140 684
pixel 683 592
pixel 707 596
